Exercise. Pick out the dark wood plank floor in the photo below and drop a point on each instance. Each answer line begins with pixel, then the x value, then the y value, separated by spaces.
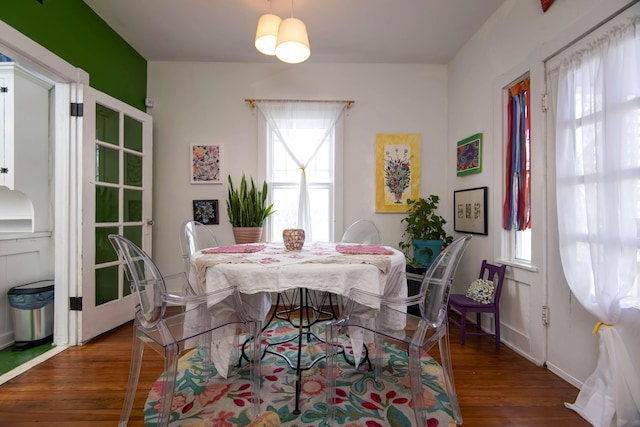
pixel 84 386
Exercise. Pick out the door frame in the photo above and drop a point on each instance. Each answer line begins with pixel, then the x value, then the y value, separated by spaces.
pixel 67 201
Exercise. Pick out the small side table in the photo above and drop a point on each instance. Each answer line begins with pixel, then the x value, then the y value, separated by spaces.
pixel 414 281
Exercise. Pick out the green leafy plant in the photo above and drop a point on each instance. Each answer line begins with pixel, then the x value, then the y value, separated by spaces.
pixel 247 205
pixel 423 223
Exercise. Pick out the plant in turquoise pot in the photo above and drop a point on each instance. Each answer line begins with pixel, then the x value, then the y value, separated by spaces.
pixel 424 235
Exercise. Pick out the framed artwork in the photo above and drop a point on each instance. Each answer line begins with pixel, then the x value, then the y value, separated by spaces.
pixel 206 211
pixel 470 211
pixel 469 155
pixel 397 171
pixel 206 164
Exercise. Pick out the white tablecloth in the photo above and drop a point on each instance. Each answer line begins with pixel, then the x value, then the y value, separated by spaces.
pixel 318 266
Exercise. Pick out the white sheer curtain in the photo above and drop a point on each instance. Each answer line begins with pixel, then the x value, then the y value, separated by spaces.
pixel 286 119
pixel 597 98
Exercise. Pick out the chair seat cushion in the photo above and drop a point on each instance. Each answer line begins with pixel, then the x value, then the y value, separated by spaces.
pixel 481 290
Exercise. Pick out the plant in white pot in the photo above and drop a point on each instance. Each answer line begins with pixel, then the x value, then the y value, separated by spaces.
pixel 424 235
pixel 247 210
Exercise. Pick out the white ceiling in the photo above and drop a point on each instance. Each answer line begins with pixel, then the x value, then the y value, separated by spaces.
pixel 340 31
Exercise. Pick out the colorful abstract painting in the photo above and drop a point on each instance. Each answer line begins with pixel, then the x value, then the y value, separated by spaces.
pixel 206 211
pixel 397 171
pixel 206 164
pixel 469 155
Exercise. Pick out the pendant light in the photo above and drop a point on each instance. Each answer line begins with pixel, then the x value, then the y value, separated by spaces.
pixel 267 33
pixel 292 45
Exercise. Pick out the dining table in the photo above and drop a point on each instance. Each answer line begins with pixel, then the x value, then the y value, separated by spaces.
pixel 262 270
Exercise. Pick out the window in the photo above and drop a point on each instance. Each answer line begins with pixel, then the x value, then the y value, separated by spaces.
pixel 283 176
pixel 517 198
pixel 301 165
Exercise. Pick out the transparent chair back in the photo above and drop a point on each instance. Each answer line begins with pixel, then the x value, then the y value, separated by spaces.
pixel 362 231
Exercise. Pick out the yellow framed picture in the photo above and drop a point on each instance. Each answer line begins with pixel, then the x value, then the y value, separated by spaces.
pixel 397 171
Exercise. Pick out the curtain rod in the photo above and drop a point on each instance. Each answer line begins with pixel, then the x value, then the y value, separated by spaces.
pixel 252 102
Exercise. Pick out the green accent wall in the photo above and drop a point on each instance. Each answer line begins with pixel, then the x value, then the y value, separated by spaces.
pixel 73 31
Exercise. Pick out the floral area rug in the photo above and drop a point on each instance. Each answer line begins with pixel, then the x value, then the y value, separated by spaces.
pixel 202 398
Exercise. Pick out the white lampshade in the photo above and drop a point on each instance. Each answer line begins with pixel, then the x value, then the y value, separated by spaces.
pixel 267 33
pixel 292 45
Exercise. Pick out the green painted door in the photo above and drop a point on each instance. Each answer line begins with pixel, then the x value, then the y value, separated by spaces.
pixel 117 163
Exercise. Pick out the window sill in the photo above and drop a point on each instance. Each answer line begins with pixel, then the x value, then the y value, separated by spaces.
pixel 519 265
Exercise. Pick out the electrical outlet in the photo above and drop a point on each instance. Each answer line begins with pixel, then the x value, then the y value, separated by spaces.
pixel 545 315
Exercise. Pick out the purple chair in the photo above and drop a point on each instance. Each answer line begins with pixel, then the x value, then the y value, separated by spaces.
pixel 463 304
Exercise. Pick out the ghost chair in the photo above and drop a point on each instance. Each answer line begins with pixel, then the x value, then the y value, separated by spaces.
pixel 196 236
pixel 483 296
pixel 171 335
pixel 393 324
pixel 362 231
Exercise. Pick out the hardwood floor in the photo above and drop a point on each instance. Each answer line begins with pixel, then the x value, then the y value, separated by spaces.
pixel 84 386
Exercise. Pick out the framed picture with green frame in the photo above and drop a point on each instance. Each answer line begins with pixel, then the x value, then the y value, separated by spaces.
pixel 469 155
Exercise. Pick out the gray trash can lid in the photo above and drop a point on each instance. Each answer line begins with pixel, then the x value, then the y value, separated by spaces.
pixel 32 288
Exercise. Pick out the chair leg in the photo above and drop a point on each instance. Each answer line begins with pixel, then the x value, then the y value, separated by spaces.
pixel 415 379
pixel 478 323
pixel 447 371
pixel 171 370
pixel 496 317
pixel 331 348
pixel 377 357
pixel 255 330
pixel 463 325
pixel 137 350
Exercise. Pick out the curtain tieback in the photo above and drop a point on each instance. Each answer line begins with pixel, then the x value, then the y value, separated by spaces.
pixel 595 330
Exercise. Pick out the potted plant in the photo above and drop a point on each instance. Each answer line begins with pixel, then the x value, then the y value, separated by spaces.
pixel 424 235
pixel 247 210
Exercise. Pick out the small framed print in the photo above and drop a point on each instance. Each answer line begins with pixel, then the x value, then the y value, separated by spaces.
pixel 206 211
pixel 470 211
pixel 206 164
pixel 469 155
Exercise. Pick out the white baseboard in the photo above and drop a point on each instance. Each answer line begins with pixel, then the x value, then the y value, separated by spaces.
pixel 565 376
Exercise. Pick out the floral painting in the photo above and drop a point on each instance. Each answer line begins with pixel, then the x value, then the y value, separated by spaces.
pixel 206 211
pixel 206 164
pixel 397 171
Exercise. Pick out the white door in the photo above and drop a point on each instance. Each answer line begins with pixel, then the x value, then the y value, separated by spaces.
pixel 116 199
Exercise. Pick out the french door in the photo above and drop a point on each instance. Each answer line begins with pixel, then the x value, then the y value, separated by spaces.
pixel 116 199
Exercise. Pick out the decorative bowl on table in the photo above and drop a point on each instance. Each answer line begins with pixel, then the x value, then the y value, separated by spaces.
pixel 293 238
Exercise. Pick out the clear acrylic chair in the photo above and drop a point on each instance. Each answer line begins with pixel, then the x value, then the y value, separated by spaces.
pixel 362 231
pixel 419 334
pixel 171 335
pixel 196 236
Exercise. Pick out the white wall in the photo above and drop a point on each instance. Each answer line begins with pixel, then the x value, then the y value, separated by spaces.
pixel 517 39
pixel 204 103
